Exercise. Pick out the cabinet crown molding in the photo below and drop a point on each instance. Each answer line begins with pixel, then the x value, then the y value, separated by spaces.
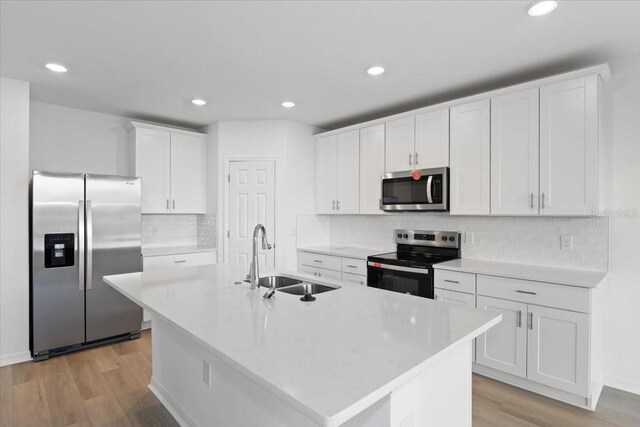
pixel 140 125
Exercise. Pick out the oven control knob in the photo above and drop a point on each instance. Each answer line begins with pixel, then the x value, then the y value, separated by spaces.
pixel 451 239
pixel 406 236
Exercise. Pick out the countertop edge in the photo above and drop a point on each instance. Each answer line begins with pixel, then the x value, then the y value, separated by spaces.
pixel 177 250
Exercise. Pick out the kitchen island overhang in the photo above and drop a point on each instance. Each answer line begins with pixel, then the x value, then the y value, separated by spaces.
pixel 223 355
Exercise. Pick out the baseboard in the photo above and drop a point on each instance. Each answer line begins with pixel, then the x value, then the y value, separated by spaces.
pixel 172 406
pixel 622 385
pixel 146 324
pixel 12 359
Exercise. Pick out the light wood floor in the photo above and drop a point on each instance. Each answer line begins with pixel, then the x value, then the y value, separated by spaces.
pixel 107 386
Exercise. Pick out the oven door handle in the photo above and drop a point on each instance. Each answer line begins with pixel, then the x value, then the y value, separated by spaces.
pixel 429 195
pixel 424 271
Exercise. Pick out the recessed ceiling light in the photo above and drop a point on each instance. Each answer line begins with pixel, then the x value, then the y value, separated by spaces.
pixel 375 71
pixel 56 68
pixel 288 104
pixel 198 102
pixel 540 8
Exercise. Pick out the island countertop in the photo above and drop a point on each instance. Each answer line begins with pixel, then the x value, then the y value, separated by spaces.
pixel 331 358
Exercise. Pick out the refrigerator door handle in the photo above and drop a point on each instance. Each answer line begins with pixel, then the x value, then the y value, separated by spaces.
pixel 81 245
pixel 89 246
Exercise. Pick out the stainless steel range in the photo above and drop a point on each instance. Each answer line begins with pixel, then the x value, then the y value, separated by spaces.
pixel 410 269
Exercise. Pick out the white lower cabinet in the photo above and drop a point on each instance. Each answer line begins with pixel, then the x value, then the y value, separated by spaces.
pixel 558 350
pixel 352 271
pixel 504 347
pixel 460 298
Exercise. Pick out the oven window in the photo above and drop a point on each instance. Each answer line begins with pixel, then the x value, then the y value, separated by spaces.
pixel 407 191
pixel 397 281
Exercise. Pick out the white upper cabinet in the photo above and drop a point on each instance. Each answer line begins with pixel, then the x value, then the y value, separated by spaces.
pixel 348 201
pixel 514 153
pixel 432 140
pixel 338 172
pixel 470 159
pixel 153 165
pixel 371 168
pixel 172 166
pixel 400 144
pixel 327 174
pixel 569 140
pixel 188 174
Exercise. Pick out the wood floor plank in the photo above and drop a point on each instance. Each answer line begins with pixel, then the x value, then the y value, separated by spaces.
pixel 30 406
pixel 106 411
pixel 86 375
pixel 63 397
pixel 6 397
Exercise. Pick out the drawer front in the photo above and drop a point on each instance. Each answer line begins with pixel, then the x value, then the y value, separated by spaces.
pixel 538 293
pixel 455 281
pixel 182 260
pixel 354 279
pixel 320 261
pixel 354 266
pixel 319 272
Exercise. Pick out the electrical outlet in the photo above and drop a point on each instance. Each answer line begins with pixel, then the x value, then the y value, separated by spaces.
pixel 206 373
pixel 469 237
pixel 566 242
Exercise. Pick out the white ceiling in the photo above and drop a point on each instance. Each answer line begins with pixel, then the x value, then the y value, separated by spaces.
pixel 146 60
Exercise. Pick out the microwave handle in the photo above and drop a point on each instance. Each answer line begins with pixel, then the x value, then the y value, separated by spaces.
pixel 429 195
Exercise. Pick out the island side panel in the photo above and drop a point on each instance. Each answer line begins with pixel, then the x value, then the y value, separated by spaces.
pixel 232 398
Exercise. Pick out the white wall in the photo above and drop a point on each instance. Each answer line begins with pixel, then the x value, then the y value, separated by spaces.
pixel 70 140
pixel 14 221
pixel 622 313
pixel 291 144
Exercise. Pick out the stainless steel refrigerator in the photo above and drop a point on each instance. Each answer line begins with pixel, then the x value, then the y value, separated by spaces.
pixel 83 227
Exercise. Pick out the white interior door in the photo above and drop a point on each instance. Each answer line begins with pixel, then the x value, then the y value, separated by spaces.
pixel 251 202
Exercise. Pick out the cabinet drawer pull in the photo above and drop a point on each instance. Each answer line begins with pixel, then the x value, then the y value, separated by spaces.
pixel 180 261
pixel 526 292
pixel 451 281
pixel 352 266
pixel 317 260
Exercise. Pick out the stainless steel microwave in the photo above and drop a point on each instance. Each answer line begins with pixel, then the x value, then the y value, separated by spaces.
pixel 421 190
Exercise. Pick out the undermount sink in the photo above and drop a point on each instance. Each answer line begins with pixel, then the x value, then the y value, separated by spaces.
pixel 279 281
pixel 307 289
pixel 294 286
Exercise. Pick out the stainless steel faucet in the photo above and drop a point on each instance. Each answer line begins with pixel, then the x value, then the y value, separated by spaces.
pixel 254 274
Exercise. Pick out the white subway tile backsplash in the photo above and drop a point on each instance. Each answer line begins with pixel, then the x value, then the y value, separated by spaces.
pixel 529 240
pixel 178 230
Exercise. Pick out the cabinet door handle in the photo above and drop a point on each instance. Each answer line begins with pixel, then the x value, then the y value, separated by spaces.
pixel 531 200
pixel 542 201
pixel 451 281
pixel 526 292
pixel 519 318
pixel 167 204
pixel 173 205
pixel 333 205
pixel 531 321
pixel 180 261
pixel 337 205
pixel 417 159
pixel 410 159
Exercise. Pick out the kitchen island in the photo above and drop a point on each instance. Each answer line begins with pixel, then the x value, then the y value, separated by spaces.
pixel 223 355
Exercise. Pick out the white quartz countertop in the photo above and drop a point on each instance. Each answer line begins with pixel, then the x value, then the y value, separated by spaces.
pixel 344 251
pixel 561 276
pixel 175 250
pixel 329 359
